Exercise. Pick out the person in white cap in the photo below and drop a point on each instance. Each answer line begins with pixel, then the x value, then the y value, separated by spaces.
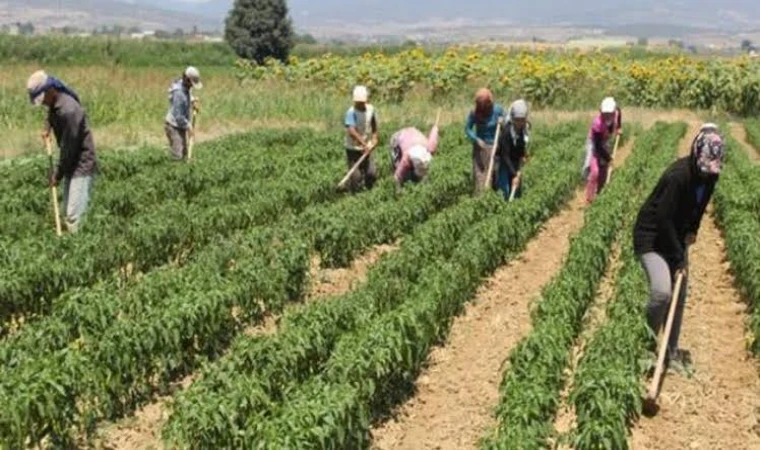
pixel 78 164
pixel 512 151
pixel 411 154
pixel 598 152
pixel 361 137
pixel 178 121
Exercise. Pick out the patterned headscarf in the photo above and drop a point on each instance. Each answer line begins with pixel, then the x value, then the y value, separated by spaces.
pixel 707 150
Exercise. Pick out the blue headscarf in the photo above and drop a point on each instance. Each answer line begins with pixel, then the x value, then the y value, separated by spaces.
pixel 53 82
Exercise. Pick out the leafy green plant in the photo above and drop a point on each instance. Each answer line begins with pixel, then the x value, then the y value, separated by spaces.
pixel 530 390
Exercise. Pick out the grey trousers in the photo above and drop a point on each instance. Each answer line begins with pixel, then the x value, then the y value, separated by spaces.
pixel 76 197
pixel 661 285
pixel 177 142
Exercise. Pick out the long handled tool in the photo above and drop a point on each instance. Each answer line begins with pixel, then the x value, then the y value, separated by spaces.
pixel 191 137
pixel 355 167
pixel 515 185
pixel 53 189
pixel 650 403
pixel 614 150
pixel 489 175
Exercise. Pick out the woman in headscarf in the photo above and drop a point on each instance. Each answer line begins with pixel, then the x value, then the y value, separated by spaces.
pixel 513 148
pixel 481 130
pixel 668 223
pixel 605 126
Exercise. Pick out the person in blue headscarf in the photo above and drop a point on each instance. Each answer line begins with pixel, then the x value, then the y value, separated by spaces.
pixel 78 164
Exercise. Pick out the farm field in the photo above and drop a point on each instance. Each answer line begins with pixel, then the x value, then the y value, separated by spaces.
pixel 241 301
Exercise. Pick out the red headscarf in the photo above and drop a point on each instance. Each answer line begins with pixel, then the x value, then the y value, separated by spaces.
pixel 483 105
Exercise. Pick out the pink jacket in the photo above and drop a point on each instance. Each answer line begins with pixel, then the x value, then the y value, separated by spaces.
pixel 408 138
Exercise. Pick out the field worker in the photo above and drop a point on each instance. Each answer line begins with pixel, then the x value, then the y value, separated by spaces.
pixel 598 147
pixel 411 154
pixel 668 223
pixel 361 137
pixel 178 121
pixel 481 130
pixel 78 163
pixel 513 148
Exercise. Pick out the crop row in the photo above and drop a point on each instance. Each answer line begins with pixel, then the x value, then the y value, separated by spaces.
pixel 37 273
pixel 231 403
pixel 737 207
pixel 606 390
pixel 120 194
pixel 530 390
pixel 110 352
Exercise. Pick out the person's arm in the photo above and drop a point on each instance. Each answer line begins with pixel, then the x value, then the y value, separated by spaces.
pixel 619 120
pixel 432 141
pixel 375 131
pixel 669 202
pixel 694 225
pixel 402 168
pixel 179 109
pixel 71 141
pixel 469 129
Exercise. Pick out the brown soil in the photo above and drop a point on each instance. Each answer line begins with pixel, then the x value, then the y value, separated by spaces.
pixel 719 408
pixel 459 388
pixel 143 430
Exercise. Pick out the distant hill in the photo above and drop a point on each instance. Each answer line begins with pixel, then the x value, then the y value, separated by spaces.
pixel 663 18
pixel 88 14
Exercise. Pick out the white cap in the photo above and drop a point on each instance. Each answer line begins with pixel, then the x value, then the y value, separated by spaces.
pixel 35 82
pixel 708 127
pixel 608 105
pixel 421 158
pixel 361 94
pixel 194 76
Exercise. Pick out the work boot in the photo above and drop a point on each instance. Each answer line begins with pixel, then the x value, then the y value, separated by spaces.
pixel 680 361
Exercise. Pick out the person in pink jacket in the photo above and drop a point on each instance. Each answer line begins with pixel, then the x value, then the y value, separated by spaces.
pixel 605 126
pixel 411 154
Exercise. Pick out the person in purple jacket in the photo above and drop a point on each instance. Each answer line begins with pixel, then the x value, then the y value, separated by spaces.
pixel 411 154
pixel 605 126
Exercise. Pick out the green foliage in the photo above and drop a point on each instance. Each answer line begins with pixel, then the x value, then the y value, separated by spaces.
pixel 260 29
pixel 607 385
pixel 260 372
pixel 530 390
pixel 60 50
pixel 737 206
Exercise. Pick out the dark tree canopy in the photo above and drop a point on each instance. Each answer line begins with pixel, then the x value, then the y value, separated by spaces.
pixel 257 29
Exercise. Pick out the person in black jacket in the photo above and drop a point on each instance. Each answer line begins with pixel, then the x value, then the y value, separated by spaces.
pixel 668 223
pixel 512 151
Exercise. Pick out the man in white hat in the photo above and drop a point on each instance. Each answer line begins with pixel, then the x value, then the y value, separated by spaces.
pixel 78 163
pixel 361 137
pixel 411 154
pixel 178 121
pixel 513 149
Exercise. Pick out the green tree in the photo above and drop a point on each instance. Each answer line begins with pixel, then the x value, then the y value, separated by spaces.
pixel 257 29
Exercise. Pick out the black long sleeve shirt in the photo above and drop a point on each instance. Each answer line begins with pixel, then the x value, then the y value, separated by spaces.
pixel 673 210
pixel 68 121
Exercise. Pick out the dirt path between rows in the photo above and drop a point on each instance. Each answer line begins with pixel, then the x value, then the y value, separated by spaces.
pixel 143 429
pixel 457 391
pixel 740 134
pixel 719 408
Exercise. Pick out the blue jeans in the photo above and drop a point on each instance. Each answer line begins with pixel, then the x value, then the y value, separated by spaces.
pixel 76 197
